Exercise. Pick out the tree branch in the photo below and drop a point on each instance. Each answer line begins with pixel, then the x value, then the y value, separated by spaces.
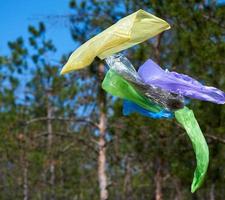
pixel 27 123
pixel 213 137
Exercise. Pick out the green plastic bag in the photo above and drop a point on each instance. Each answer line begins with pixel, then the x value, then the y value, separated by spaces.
pixel 117 86
pixel 187 119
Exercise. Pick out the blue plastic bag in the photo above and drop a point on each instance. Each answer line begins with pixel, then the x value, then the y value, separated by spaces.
pixel 129 107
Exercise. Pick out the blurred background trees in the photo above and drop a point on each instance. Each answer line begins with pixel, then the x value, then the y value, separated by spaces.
pixel 62 137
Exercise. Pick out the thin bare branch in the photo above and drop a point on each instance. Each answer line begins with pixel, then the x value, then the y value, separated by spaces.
pixel 213 137
pixel 62 119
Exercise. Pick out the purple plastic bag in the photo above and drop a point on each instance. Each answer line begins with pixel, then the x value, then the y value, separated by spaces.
pixel 153 74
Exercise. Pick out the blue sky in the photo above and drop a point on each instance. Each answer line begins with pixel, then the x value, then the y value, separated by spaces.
pixel 16 15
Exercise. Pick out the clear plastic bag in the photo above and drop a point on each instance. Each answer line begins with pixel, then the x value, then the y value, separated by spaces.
pixel 122 66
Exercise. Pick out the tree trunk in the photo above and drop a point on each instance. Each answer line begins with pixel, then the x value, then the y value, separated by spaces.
pixel 102 178
pixel 158 184
pixel 24 164
pixel 158 179
pixel 158 176
pixel 127 180
pixel 25 181
pixel 49 147
pixel 178 190
pixel 157 47
pixel 212 192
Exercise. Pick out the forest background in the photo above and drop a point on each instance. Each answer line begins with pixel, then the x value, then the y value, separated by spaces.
pixel 62 137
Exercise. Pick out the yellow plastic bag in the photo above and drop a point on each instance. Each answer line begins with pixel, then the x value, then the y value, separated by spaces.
pixel 127 32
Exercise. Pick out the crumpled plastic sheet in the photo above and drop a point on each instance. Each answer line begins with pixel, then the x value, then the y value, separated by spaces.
pixel 130 107
pixel 122 66
pixel 152 74
pixel 127 32
pixel 118 86
pixel 187 119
